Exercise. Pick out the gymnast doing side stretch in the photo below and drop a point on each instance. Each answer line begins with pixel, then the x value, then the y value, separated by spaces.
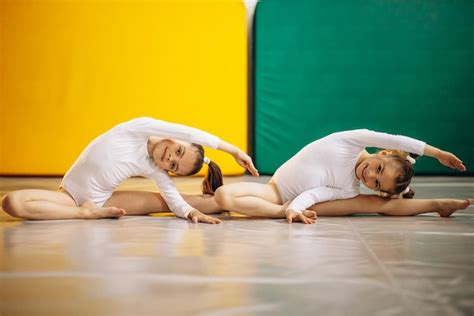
pixel 324 178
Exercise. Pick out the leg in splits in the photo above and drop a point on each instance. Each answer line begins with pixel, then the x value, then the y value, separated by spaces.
pixel 44 204
pixel 367 204
pixel 143 203
pixel 263 200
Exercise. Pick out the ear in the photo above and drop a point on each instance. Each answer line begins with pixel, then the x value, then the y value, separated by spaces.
pixel 383 152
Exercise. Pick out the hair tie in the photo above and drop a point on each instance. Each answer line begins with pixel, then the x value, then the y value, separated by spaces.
pixel 411 160
pixel 407 189
pixel 206 160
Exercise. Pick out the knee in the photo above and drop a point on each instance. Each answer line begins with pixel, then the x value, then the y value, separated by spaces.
pixel 12 203
pixel 223 197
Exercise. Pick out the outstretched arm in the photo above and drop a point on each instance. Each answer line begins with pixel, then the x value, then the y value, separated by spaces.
pixel 367 138
pixel 147 126
pixel 241 157
pixel 445 158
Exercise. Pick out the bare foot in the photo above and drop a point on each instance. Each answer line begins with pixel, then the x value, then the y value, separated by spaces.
pixel 449 206
pixel 91 211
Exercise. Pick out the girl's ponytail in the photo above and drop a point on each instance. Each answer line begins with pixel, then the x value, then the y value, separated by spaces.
pixel 409 195
pixel 213 178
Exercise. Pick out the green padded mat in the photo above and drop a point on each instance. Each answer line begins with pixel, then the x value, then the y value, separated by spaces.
pixel 401 67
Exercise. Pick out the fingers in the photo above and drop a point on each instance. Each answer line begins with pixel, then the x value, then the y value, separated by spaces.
pixel 310 214
pixel 253 171
pixel 454 162
pixel 304 219
pixel 204 219
pixel 251 168
pixel 459 165
pixel 290 216
pixel 247 163
pixel 210 220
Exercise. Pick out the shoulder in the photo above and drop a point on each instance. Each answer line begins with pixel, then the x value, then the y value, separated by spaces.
pixel 140 123
pixel 141 120
pixel 350 133
pixel 348 136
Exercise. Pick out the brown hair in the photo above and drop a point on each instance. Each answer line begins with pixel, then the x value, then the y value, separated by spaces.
pixel 402 181
pixel 213 178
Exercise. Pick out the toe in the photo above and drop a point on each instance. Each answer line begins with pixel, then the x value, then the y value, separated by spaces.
pixel 115 212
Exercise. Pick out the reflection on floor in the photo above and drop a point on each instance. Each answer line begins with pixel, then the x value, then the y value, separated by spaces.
pixel 359 265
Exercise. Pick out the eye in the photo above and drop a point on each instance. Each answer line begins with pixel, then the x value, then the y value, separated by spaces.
pixel 179 151
pixel 377 184
pixel 379 168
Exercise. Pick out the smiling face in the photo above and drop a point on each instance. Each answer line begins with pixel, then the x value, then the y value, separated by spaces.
pixel 175 156
pixel 379 173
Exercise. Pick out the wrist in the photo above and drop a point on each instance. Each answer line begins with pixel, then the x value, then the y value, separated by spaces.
pixel 190 214
pixel 431 151
pixel 233 150
pixel 228 148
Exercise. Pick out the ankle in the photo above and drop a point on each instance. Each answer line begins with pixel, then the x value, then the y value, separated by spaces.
pixel 84 213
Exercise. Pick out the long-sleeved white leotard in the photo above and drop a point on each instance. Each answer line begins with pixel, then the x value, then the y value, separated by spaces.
pixel 121 153
pixel 324 170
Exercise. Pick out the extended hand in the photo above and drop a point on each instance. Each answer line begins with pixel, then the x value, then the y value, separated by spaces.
pixel 450 160
pixel 307 217
pixel 245 161
pixel 196 216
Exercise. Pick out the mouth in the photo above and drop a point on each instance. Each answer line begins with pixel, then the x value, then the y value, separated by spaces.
pixel 164 154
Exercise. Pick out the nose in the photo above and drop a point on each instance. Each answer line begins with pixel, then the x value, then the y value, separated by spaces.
pixel 370 174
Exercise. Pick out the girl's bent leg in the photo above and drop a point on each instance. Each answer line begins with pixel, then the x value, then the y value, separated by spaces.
pixel 251 198
pixel 143 203
pixel 367 204
pixel 43 204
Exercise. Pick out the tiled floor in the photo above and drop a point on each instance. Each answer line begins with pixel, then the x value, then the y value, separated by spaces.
pixel 358 265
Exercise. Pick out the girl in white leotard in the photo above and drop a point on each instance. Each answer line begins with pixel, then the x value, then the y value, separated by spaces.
pixel 332 168
pixel 141 147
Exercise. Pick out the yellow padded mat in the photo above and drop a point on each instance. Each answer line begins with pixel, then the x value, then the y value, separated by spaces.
pixel 70 70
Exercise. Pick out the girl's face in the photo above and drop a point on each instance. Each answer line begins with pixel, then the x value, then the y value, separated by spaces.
pixel 378 173
pixel 175 156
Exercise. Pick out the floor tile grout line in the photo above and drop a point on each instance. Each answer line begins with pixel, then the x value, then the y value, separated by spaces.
pixel 389 275
pixel 434 289
pixel 381 266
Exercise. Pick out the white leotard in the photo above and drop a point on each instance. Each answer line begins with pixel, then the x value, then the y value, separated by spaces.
pixel 324 170
pixel 121 153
